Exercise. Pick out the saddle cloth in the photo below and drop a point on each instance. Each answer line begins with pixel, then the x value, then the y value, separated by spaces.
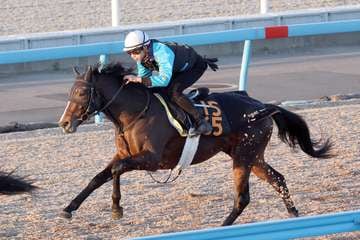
pixel 226 112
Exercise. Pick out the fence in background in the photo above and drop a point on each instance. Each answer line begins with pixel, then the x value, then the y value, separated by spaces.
pixel 110 34
pixel 271 32
pixel 116 10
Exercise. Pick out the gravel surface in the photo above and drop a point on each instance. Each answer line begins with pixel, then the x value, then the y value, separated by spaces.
pixel 28 16
pixel 61 165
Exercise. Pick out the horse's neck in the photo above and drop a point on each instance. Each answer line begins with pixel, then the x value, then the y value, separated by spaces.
pixel 128 103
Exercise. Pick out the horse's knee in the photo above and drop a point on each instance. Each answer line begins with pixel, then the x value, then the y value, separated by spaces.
pixel 118 168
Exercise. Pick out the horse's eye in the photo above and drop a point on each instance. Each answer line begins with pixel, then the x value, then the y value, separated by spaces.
pixel 80 92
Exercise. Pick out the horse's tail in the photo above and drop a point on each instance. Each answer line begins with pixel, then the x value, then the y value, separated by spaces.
pixel 293 131
pixel 211 62
pixel 11 184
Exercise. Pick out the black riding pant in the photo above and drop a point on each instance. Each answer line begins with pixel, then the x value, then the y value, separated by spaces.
pixel 181 81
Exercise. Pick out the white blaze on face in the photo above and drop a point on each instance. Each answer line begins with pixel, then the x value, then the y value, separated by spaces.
pixel 66 109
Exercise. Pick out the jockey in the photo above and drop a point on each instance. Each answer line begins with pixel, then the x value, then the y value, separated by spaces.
pixel 171 66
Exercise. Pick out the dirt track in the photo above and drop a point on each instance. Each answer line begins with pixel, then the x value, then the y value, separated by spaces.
pixel 63 164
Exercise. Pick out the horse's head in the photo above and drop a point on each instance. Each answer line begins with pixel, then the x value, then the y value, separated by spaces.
pixel 81 102
pixel 84 98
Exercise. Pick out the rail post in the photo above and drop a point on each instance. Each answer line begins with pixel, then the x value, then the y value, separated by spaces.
pixel 99 118
pixel 245 65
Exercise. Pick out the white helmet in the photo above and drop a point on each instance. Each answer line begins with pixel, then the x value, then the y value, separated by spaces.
pixel 135 39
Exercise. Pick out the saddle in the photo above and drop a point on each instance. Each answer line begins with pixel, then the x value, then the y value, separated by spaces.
pixel 226 112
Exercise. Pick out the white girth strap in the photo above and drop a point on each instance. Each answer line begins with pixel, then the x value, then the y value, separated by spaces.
pixel 191 143
pixel 188 153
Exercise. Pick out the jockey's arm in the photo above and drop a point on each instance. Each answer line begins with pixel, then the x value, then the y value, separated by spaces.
pixel 142 71
pixel 164 57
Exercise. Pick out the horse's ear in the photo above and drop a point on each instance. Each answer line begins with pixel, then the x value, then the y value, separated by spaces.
pixel 88 74
pixel 76 71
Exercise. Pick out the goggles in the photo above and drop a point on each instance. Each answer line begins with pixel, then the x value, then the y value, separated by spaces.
pixel 135 51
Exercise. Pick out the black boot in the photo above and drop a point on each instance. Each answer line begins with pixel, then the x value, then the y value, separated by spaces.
pixel 201 125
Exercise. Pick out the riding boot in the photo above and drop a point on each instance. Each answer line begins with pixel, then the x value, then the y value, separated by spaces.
pixel 201 125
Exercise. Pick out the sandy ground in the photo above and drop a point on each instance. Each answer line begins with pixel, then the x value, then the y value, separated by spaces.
pixel 62 165
pixel 28 16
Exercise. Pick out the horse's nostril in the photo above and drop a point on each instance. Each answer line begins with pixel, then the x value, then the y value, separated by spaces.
pixel 63 124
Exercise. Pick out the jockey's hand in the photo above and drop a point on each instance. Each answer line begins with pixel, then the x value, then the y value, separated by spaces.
pixel 132 78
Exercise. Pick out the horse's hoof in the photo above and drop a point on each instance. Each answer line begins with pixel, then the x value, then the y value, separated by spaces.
pixel 66 215
pixel 117 213
pixel 293 212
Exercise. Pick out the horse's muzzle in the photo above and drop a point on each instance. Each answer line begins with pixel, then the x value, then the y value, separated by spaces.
pixel 69 127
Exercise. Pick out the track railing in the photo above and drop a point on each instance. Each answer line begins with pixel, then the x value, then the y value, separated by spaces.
pixel 284 229
pixel 85 50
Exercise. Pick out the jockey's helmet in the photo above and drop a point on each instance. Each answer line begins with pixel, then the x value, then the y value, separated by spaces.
pixel 135 39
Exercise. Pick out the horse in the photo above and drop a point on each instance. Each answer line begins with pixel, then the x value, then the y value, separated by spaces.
pixel 146 141
pixel 11 184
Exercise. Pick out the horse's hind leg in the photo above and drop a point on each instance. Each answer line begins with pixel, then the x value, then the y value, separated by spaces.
pixel 265 172
pixel 242 196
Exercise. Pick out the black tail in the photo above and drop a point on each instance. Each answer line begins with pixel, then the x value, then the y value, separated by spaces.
pixel 293 130
pixel 11 184
pixel 211 62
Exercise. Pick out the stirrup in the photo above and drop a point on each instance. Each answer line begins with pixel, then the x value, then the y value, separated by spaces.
pixel 203 129
pixel 192 132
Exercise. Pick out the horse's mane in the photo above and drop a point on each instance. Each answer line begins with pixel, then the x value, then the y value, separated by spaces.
pixel 117 72
pixel 114 69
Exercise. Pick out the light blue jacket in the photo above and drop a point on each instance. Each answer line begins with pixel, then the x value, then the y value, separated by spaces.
pixel 164 57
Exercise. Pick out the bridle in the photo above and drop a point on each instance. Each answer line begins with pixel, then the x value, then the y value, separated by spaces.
pixel 91 108
pixel 92 105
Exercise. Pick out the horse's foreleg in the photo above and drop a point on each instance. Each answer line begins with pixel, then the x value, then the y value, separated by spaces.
pixel 96 182
pixel 242 197
pixel 143 161
pixel 117 211
pixel 265 172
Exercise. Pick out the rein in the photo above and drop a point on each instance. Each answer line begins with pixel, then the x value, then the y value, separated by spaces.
pixel 167 179
pixel 132 123
pixel 92 90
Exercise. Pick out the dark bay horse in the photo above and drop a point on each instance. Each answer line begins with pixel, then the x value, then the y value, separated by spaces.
pixel 12 184
pixel 146 141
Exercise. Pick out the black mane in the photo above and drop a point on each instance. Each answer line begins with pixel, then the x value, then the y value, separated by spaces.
pixel 114 69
